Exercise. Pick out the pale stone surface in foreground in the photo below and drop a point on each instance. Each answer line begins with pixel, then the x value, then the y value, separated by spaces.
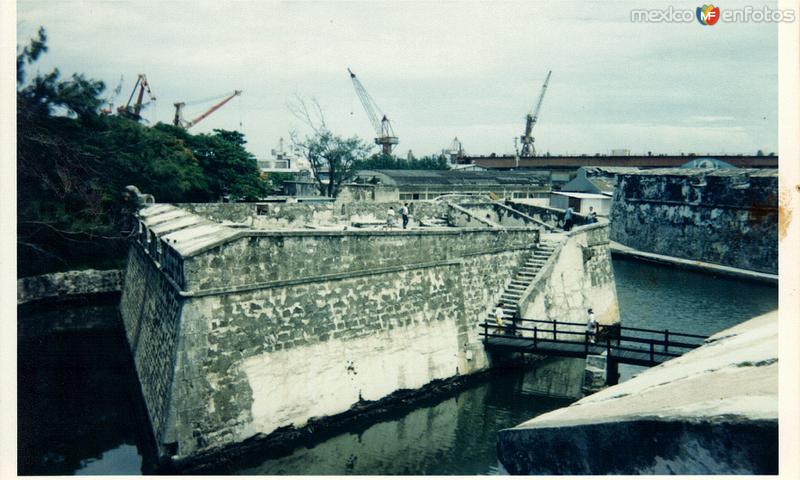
pixel 714 400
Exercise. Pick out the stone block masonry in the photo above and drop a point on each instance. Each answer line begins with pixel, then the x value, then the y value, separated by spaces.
pixel 150 310
pixel 727 217
pixel 68 284
pixel 239 332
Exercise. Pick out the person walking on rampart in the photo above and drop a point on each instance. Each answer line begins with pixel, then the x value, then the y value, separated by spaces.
pixel 390 218
pixel 568 219
pixel 591 327
pixel 404 214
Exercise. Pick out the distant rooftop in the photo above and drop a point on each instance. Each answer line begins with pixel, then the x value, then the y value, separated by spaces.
pixel 713 172
pixel 451 177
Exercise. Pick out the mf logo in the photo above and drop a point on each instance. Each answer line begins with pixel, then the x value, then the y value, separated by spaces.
pixel 708 14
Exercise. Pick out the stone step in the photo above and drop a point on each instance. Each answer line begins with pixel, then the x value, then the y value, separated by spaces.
pixel 519 284
pixel 507 298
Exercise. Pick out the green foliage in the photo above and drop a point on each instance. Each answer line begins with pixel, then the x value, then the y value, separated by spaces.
pixel 73 164
pixel 382 161
pixel 333 159
pixel 276 179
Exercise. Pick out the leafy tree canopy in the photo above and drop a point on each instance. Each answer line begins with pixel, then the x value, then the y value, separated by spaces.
pixel 333 159
pixel 73 164
pixel 382 161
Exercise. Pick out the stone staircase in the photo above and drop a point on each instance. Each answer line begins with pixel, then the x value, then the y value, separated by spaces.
pixel 522 279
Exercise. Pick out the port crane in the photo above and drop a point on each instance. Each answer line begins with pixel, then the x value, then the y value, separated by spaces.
pixel 383 128
pixel 134 111
pixel 528 149
pixel 179 121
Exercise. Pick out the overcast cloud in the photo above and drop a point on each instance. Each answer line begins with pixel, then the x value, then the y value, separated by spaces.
pixel 437 70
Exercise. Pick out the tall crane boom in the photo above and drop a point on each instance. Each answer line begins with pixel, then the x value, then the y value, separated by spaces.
pixel 383 128
pixel 180 122
pixel 527 139
pixel 135 112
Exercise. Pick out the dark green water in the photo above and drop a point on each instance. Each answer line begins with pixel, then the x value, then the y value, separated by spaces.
pixel 77 396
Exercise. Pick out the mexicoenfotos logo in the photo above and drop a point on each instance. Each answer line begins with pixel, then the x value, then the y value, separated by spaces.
pixel 708 14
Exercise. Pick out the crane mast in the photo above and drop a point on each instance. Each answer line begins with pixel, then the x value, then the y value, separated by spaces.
pixel 384 132
pixel 178 120
pixel 135 112
pixel 527 139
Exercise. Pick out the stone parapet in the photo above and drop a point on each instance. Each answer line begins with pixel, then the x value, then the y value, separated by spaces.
pixel 68 284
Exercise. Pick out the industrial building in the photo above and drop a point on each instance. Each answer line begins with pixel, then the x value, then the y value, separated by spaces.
pixel 429 184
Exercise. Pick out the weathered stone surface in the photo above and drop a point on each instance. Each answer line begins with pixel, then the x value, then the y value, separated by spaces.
pixel 712 410
pixel 263 330
pixel 65 284
pixel 150 310
pixel 579 276
pixel 726 216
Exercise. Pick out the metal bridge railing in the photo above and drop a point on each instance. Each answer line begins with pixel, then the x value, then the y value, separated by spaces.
pixel 529 334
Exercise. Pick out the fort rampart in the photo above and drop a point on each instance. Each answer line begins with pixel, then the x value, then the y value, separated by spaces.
pixel 726 216
pixel 238 331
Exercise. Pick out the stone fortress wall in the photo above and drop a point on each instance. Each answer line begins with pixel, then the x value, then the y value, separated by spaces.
pixel 724 216
pixel 255 329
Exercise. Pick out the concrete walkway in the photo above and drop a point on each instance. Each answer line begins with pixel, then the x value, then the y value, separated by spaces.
pixel 620 249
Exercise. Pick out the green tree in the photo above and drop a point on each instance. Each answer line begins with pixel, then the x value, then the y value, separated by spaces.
pixel 382 161
pixel 432 162
pixel 73 164
pixel 333 159
pixel 228 168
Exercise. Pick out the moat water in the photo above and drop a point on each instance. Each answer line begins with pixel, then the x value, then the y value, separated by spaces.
pixel 77 394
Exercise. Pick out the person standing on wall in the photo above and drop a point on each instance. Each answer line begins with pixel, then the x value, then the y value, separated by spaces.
pixel 568 219
pixel 592 215
pixel 498 318
pixel 404 214
pixel 591 327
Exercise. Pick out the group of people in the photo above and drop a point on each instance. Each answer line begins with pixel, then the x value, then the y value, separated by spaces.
pixel 391 215
pixel 569 218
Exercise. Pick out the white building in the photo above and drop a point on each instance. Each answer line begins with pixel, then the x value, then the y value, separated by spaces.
pixel 591 187
pixel 283 161
pixel 580 202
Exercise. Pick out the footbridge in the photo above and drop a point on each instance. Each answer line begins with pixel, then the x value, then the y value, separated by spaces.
pixel 629 345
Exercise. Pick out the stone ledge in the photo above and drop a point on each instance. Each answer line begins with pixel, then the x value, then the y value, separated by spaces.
pixel 68 284
pixel 688 264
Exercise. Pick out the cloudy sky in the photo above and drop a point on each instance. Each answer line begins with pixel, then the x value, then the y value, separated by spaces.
pixel 438 70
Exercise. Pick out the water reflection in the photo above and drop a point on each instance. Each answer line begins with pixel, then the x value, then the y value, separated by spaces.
pixel 74 402
pixel 456 436
pixel 77 390
pixel 658 297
